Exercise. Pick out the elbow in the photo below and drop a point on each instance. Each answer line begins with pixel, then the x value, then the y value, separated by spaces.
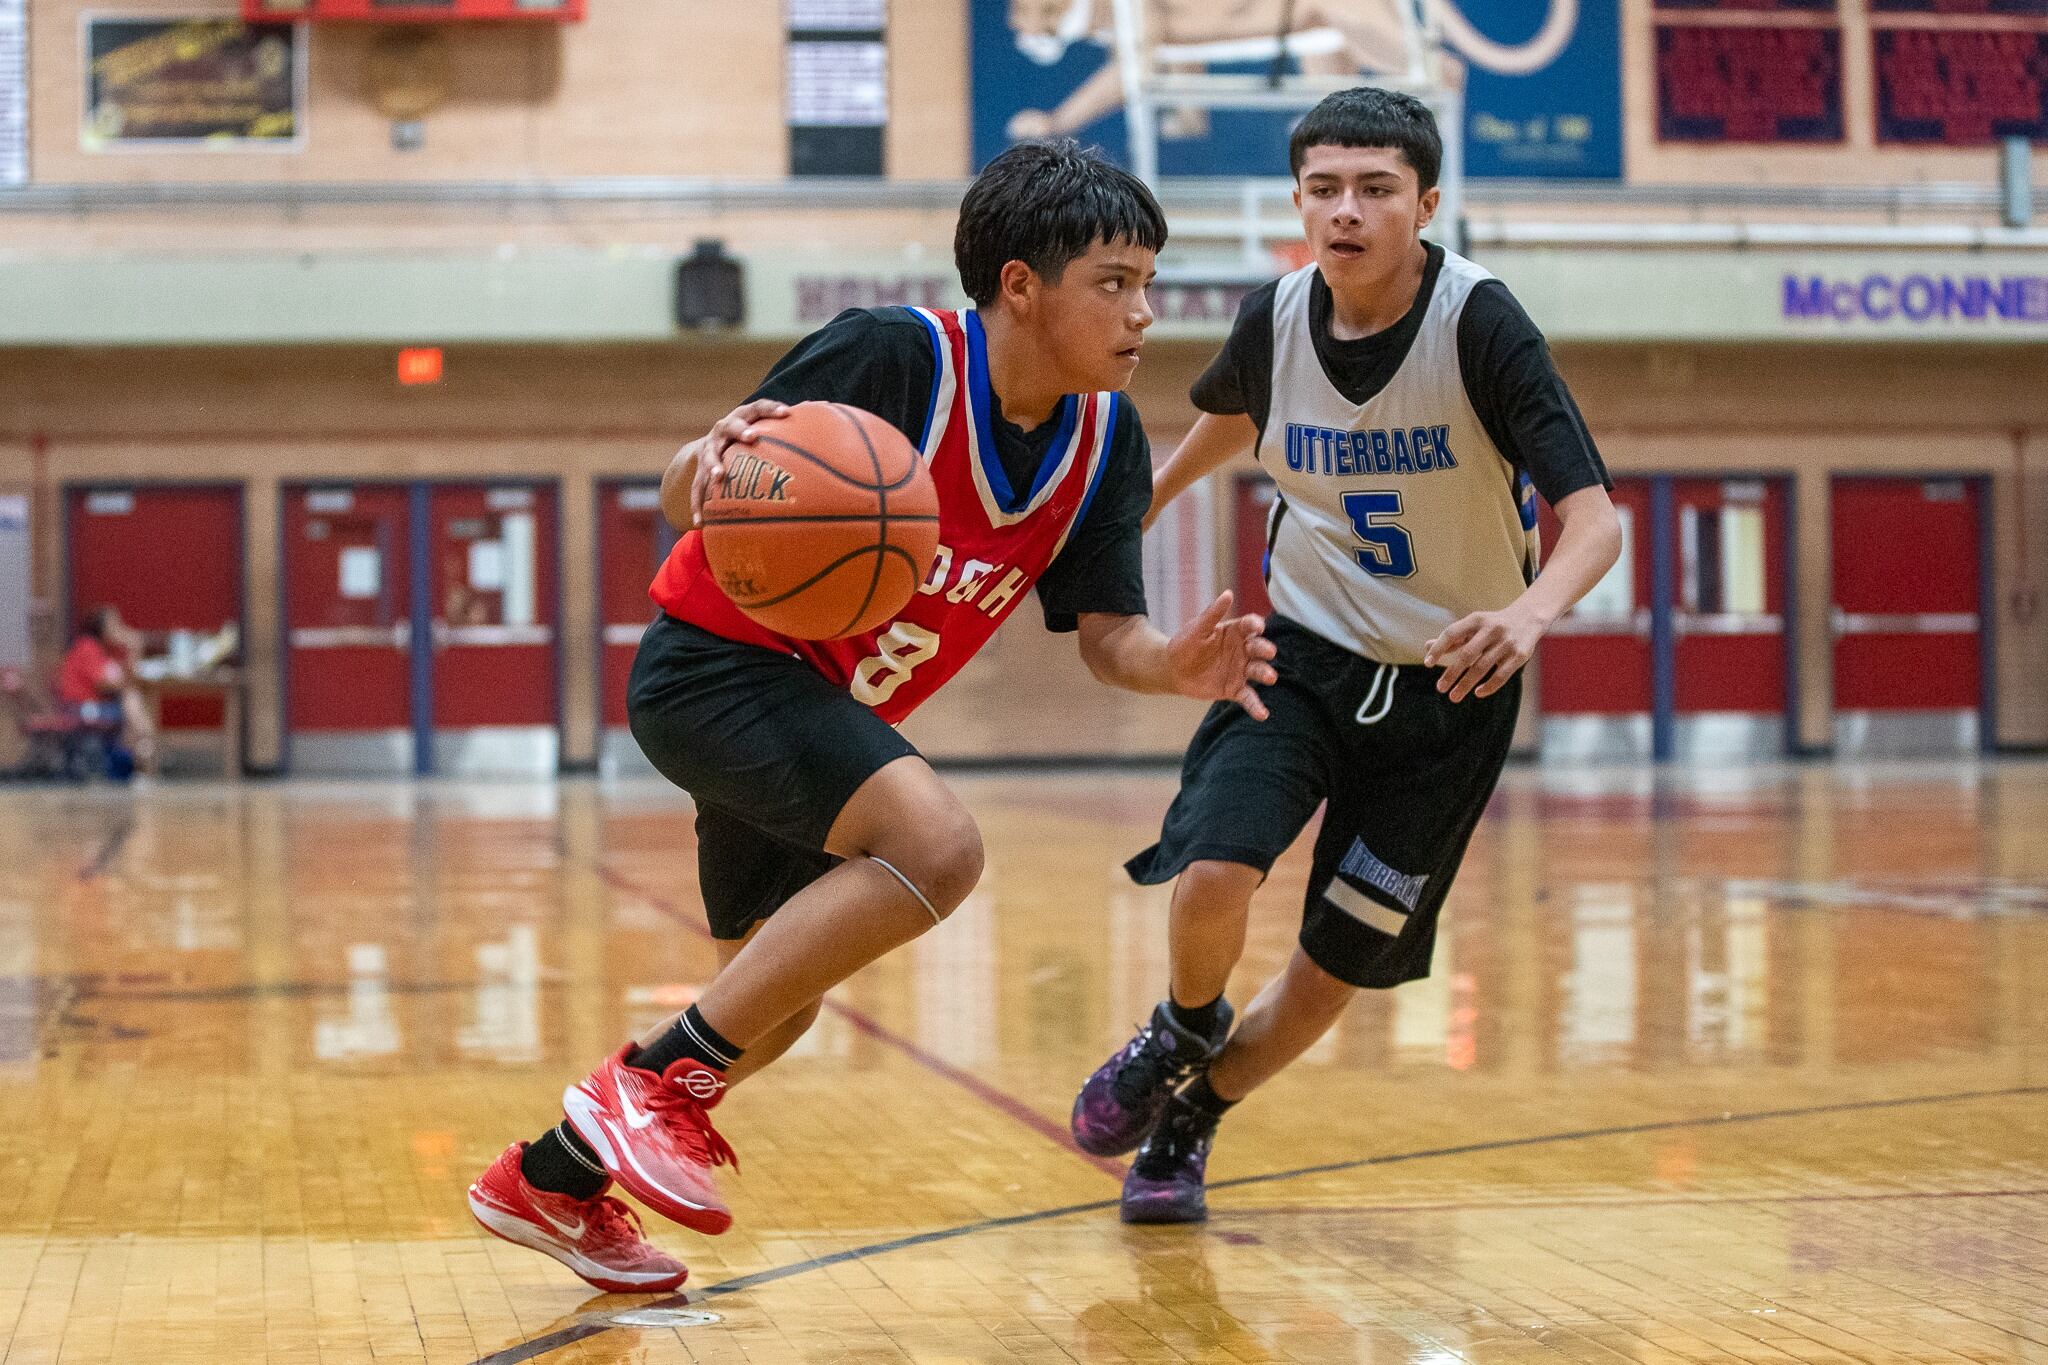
pixel 675 501
pixel 1104 651
pixel 1099 665
pixel 1610 539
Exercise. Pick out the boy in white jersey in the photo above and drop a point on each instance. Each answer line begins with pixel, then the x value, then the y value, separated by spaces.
pixel 1404 404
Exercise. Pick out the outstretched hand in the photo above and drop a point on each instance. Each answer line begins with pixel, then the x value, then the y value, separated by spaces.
pixel 1218 657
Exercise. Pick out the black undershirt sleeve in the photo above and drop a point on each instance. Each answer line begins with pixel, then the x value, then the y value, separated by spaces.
pixel 877 359
pixel 1240 378
pixel 1102 567
pixel 1521 399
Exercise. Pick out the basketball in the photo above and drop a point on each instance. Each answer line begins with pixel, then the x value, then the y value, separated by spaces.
pixel 824 526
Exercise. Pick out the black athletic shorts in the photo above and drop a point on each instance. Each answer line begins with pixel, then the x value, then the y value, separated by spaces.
pixel 1407 774
pixel 768 749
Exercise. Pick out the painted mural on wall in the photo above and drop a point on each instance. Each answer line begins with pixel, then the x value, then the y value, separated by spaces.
pixel 1541 82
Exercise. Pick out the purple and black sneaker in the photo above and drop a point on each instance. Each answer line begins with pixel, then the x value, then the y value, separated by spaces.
pixel 1165 1183
pixel 1127 1094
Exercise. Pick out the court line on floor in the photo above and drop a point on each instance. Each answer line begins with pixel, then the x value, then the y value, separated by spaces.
pixel 995 1098
pixel 1672 1201
pixel 94 992
pixel 552 1341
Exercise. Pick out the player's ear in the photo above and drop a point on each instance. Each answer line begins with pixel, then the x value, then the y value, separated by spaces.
pixel 1017 284
pixel 1426 207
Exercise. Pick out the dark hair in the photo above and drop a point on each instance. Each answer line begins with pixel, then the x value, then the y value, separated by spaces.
pixel 1367 116
pixel 95 623
pixel 1046 203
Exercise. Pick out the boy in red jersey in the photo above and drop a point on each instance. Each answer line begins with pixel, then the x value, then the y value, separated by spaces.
pixel 824 839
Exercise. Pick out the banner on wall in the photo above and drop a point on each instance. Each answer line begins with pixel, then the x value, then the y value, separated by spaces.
pixel 192 83
pixel 1960 87
pixel 14 580
pixel 1542 80
pixel 1748 83
pixel 2035 9
pixel 836 86
pixel 13 92
pixel 1748 6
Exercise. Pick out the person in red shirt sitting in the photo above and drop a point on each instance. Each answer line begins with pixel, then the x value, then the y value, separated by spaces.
pixel 94 680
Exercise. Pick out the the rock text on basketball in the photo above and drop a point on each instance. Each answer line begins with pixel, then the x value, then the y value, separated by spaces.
pixel 750 478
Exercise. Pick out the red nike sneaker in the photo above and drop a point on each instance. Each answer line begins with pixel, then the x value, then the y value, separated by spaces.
pixel 654 1135
pixel 599 1239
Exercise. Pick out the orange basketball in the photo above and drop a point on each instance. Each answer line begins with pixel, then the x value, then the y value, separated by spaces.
pixel 824 526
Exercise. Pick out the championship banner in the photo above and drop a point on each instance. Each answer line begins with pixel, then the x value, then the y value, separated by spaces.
pixel 835 86
pixel 2033 9
pixel 192 82
pixel 1748 6
pixel 1542 78
pixel 1542 99
pixel 1748 83
pixel 13 92
pixel 1960 87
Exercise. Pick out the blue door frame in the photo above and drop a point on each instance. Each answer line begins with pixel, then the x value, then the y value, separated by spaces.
pixel 419 602
pixel 1664 590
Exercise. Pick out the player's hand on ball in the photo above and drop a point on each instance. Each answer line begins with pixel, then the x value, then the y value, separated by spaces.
pixel 1482 651
pixel 732 429
pixel 1218 657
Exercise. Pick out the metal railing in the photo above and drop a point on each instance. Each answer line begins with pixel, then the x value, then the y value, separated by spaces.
pixel 1189 196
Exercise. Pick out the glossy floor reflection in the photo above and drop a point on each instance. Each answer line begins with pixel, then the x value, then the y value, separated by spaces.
pixel 1746 1066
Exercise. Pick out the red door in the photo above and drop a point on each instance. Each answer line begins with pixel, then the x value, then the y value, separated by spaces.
pixel 169 558
pixel 1905 613
pixel 347 601
pixel 632 539
pixel 493 589
pixel 1729 619
pixel 1594 666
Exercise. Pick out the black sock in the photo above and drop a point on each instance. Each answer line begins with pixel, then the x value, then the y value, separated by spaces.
pixel 1199 1020
pixel 1201 1097
pixel 561 1162
pixel 690 1036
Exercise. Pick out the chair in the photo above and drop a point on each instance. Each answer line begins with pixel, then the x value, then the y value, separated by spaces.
pixel 60 744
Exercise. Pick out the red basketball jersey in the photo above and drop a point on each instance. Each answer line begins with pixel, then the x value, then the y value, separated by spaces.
pixel 994 541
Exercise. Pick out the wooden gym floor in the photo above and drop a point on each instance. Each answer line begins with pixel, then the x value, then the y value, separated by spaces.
pixel 1722 1067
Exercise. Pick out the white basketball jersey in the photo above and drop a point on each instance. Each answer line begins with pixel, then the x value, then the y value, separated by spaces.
pixel 1397 516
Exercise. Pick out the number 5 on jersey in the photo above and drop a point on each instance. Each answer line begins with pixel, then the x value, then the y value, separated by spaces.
pixel 904 647
pixel 1384 549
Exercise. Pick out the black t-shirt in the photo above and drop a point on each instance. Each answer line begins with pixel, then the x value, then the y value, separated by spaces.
pixel 881 359
pixel 1515 389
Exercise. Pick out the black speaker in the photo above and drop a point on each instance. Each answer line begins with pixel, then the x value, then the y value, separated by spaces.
pixel 709 288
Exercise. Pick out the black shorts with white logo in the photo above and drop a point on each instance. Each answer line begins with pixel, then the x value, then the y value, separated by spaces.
pixel 770 751
pixel 1407 774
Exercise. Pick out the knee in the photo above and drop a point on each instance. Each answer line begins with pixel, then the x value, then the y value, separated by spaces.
pixel 1208 886
pixel 942 858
